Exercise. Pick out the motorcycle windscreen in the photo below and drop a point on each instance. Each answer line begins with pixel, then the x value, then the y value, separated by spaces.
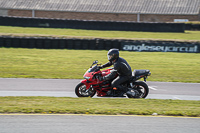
pixel 89 72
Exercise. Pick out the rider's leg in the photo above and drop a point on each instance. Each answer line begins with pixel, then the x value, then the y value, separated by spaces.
pixel 116 83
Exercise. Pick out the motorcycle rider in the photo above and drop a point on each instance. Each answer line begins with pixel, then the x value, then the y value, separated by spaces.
pixel 121 67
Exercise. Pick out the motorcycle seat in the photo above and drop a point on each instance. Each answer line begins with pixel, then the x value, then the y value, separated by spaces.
pixel 140 72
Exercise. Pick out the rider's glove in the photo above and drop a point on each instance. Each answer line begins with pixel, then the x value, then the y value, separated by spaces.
pixel 100 67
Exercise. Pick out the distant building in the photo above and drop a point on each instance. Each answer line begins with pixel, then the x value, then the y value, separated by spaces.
pixel 106 10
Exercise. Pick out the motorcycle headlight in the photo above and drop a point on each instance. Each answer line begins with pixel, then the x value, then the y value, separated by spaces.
pixel 87 77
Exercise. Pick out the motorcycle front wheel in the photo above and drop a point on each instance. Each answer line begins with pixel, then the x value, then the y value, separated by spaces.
pixel 81 91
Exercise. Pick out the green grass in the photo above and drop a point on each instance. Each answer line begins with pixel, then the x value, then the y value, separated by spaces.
pixel 193 22
pixel 49 105
pixel 68 33
pixel 72 64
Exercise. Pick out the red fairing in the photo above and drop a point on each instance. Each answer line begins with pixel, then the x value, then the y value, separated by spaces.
pixel 89 80
pixel 91 74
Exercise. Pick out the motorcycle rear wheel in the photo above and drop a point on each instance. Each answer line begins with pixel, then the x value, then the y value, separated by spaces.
pixel 81 91
pixel 142 88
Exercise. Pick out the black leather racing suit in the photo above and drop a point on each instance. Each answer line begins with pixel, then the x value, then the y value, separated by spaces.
pixel 123 69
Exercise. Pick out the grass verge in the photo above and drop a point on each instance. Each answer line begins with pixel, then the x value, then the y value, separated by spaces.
pixel 78 33
pixel 107 106
pixel 72 64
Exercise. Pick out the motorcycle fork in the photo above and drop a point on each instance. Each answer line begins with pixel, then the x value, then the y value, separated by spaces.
pixel 87 90
pixel 85 82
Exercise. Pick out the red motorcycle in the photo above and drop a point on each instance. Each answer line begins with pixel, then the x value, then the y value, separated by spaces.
pixel 92 85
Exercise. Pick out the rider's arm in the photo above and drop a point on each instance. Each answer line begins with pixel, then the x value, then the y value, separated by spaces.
pixel 106 65
pixel 111 75
pixel 113 72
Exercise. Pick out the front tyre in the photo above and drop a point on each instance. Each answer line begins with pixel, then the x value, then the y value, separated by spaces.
pixel 141 89
pixel 81 91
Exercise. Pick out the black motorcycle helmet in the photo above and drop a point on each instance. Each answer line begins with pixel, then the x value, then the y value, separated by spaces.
pixel 113 54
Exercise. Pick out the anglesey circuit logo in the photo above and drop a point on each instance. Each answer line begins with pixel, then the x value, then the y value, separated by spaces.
pixel 143 47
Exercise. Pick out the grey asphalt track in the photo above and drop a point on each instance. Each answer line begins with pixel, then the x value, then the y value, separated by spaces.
pixel 65 88
pixel 96 124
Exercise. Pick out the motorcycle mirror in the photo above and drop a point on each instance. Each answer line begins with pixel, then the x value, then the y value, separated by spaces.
pixel 95 62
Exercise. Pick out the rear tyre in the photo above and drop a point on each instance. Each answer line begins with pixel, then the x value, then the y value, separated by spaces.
pixel 141 89
pixel 81 91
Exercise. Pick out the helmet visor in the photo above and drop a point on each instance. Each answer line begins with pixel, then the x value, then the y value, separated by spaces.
pixel 110 57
